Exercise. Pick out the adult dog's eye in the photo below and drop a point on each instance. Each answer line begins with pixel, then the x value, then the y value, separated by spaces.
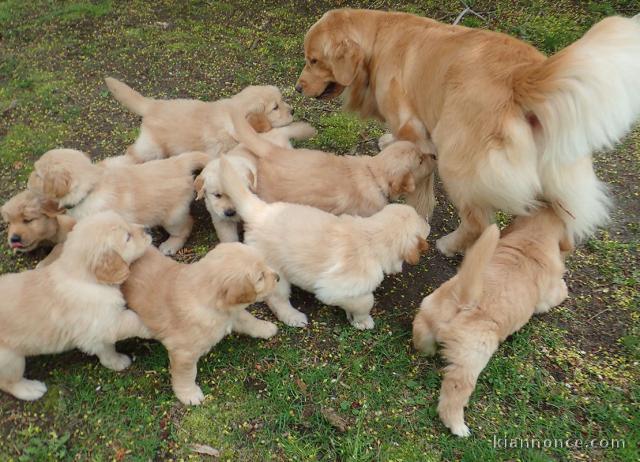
pixel 26 221
pixel 313 61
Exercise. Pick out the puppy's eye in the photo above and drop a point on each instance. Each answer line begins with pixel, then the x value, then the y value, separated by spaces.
pixel 261 277
pixel 313 61
pixel 216 195
pixel 128 237
pixel 26 221
pixel 275 108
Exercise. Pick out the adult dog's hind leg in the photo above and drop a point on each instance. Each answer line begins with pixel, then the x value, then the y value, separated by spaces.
pixel 473 221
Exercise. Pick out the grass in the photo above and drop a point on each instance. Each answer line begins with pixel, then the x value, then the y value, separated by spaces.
pixel 327 392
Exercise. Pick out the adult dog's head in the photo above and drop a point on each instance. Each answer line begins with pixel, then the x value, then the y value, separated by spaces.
pixel 333 57
pixel 32 221
pixel 104 245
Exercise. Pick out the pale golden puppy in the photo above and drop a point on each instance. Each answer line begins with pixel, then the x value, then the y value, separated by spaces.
pixel 171 127
pixel 340 259
pixel 502 282
pixel 33 222
pixel 207 184
pixel 190 308
pixel 357 185
pixel 156 193
pixel 75 302
pixel 510 125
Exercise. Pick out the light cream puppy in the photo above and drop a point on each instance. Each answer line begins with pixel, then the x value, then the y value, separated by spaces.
pixel 190 308
pixel 357 185
pixel 500 285
pixel 340 259
pixel 157 193
pixel 75 302
pixel 32 222
pixel 207 184
pixel 171 127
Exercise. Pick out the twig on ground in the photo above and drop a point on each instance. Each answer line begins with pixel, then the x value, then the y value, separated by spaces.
pixel 467 9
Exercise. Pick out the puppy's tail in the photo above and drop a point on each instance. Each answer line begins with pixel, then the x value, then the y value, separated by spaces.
pixel 128 97
pixel 469 284
pixel 247 204
pixel 248 136
pixel 191 162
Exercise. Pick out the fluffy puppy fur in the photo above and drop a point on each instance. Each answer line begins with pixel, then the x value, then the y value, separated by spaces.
pixel 190 308
pixel 510 125
pixel 75 302
pixel 207 184
pixel 340 259
pixel 32 222
pixel 157 193
pixel 500 285
pixel 171 127
pixel 357 185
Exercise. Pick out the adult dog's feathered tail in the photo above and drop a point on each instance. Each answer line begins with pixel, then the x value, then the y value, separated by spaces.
pixel 585 98
pixel 248 136
pixel 128 97
pixel 469 284
pixel 247 204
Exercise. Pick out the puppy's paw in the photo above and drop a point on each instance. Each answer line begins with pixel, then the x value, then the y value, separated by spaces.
pixel 460 430
pixel 294 318
pixel 385 140
pixel 169 248
pixel 266 330
pixel 28 390
pixel 116 362
pixel 444 245
pixel 361 322
pixel 191 396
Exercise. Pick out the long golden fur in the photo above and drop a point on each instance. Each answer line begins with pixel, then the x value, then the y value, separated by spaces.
pixel 356 185
pixel 171 127
pixel 502 282
pixel 75 302
pixel 511 127
pixel 32 222
pixel 340 259
pixel 156 193
pixel 190 308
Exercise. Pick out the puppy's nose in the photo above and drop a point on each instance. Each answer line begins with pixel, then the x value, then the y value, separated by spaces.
pixel 299 88
pixel 15 238
pixel 229 213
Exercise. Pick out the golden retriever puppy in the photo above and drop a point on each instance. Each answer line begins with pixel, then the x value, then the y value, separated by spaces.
pixel 510 125
pixel 32 222
pixel 357 185
pixel 502 282
pixel 190 308
pixel 156 193
pixel 207 184
pixel 171 127
pixel 340 259
pixel 75 302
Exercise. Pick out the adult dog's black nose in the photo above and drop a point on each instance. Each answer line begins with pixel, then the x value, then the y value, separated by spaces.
pixel 299 88
pixel 15 238
pixel 229 213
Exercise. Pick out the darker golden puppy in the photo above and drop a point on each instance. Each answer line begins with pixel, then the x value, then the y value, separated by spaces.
pixel 510 126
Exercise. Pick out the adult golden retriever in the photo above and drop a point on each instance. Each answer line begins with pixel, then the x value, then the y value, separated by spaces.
pixel 511 127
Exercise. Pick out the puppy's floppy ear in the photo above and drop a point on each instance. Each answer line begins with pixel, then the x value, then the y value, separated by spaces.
pixel 252 180
pixel 259 122
pixel 65 224
pixel 198 185
pixel 348 57
pixel 238 292
pixel 56 183
pixel 110 268
pixel 403 185
pixel 50 208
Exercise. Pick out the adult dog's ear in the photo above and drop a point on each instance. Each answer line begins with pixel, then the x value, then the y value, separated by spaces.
pixel 259 122
pixel 198 185
pixel 110 268
pixel 403 185
pixel 238 292
pixel 347 59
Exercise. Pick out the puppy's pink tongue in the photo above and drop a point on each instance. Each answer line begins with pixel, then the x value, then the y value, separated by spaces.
pixel 16 245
